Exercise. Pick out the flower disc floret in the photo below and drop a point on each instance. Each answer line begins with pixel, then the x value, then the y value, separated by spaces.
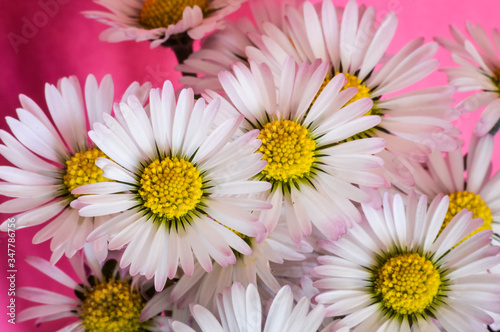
pixel 288 149
pixel 162 13
pixel 81 169
pixel 363 90
pixel 171 188
pixel 112 307
pixel 407 284
pixel 466 200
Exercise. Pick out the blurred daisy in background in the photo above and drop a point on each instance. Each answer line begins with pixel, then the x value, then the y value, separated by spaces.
pixel 182 185
pixel 302 124
pixel 50 161
pixel 479 70
pixel 203 288
pixel 240 310
pixel 167 22
pixel 400 271
pixel 107 298
pixel 476 190
pixel 224 47
pixel 353 41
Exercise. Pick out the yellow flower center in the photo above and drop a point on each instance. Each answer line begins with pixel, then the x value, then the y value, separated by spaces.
pixel 465 200
pixel 352 81
pixel 363 90
pixel 81 169
pixel 171 188
pixel 112 307
pixel 407 284
pixel 288 149
pixel 162 13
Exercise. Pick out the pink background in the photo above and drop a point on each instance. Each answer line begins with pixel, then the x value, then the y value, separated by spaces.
pixel 65 43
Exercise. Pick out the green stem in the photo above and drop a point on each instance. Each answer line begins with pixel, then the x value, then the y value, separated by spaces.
pixel 182 45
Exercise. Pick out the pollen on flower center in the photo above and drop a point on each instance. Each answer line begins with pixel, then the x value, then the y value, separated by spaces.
pixel 112 307
pixel 162 13
pixel 81 169
pixel 288 149
pixel 407 284
pixel 171 188
pixel 465 200
pixel 354 81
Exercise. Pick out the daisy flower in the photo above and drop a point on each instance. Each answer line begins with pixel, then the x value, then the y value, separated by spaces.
pixel 180 185
pixel 224 47
pixel 479 70
pixel 203 287
pixel 240 310
pixel 296 275
pixel 398 272
pixel 107 298
pixel 353 43
pixel 302 125
pixel 478 191
pixel 51 160
pixel 162 21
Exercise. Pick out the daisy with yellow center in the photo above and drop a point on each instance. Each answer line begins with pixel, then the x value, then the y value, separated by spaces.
pixel 171 188
pixel 464 200
pixel 51 156
pixel 107 298
pixel 407 284
pixel 181 185
pixel 162 21
pixel 478 57
pixel 81 169
pixel 162 13
pixel 302 124
pixel 288 149
pixel 472 187
pixel 354 82
pixel 412 123
pixel 113 306
pixel 397 272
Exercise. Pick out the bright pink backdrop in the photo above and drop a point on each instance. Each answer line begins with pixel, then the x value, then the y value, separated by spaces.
pixel 62 42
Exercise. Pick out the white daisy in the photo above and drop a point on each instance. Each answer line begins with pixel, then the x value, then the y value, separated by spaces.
pixel 224 47
pixel 162 21
pixel 297 275
pixel 50 161
pixel 302 126
pixel 479 70
pixel 107 298
pixel 178 183
pixel 475 189
pixel 413 123
pixel 240 310
pixel 203 287
pixel 398 272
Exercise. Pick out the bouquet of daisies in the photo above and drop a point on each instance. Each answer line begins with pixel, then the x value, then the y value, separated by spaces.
pixel 295 182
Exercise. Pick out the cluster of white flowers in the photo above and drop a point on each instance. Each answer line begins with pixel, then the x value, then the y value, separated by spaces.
pixel 289 186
